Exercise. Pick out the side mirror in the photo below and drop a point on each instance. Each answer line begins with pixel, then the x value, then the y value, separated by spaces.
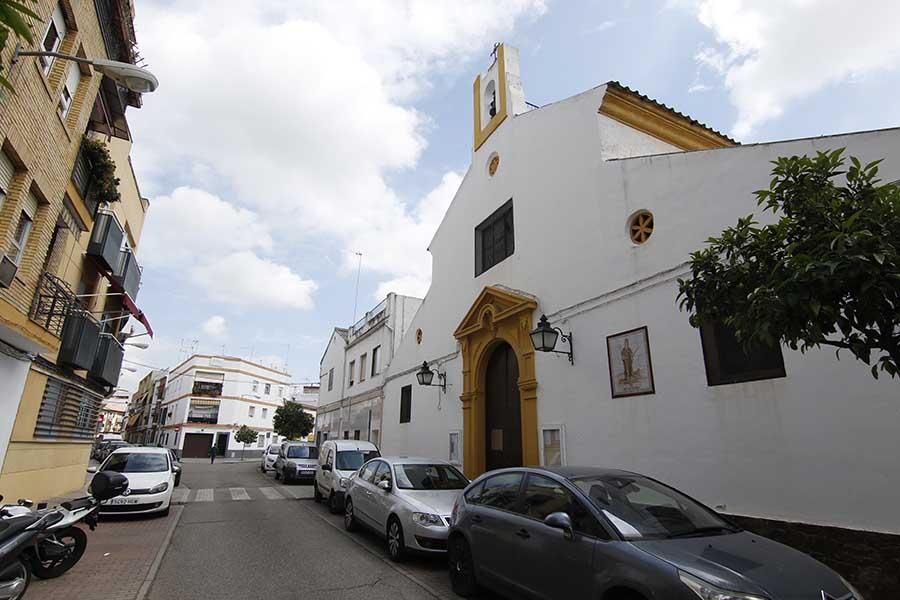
pixel 385 485
pixel 92 469
pixel 560 520
pixel 176 468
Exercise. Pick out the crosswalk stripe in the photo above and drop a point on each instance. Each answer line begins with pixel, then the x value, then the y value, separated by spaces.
pixel 204 495
pixel 239 494
pixel 180 495
pixel 271 493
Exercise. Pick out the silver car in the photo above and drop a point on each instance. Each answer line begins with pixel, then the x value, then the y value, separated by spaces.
pixel 296 460
pixel 405 500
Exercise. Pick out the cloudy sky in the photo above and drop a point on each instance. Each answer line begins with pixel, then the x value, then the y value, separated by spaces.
pixel 287 135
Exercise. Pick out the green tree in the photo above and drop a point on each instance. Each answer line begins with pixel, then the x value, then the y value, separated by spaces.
pixel 292 422
pixel 825 273
pixel 14 19
pixel 245 436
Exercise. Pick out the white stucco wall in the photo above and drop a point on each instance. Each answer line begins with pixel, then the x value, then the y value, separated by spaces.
pixel 13 372
pixel 818 446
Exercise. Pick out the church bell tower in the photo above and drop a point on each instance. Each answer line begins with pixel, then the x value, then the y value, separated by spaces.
pixel 497 93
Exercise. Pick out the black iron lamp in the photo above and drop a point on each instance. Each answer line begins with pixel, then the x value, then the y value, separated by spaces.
pixel 545 336
pixel 425 376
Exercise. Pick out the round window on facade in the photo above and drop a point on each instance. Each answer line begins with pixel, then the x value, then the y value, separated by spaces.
pixel 640 226
pixel 493 164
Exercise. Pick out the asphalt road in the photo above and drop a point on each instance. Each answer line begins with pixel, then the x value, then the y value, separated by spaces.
pixel 244 535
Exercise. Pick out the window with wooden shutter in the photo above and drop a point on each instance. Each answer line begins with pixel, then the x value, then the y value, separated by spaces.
pixel 405 403
pixel 7 172
pixel 727 362
pixel 494 239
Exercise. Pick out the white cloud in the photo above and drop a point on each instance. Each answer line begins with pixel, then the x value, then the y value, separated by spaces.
pixel 302 110
pixel 215 326
pixel 244 279
pixel 774 52
pixel 600 27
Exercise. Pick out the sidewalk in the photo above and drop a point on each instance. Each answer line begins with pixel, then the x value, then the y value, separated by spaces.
pixel 118 559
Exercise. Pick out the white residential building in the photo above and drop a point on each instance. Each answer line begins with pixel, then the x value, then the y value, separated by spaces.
pixel 352 370
pixel 208 398
pixel 586 210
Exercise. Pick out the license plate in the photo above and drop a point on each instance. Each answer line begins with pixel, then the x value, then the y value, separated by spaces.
pixel 308 471
pixel 123 501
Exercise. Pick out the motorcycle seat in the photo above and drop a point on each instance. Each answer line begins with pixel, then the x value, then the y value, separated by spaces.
pixel 78 503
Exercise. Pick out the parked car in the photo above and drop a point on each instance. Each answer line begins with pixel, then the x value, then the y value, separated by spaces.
pixel 151 478
pixel 405 500
pixel 568 532
pixel 296 460
pixel 111 447
pixel 177 467
pixel 98 449
pixel 267 462
pixel 338 459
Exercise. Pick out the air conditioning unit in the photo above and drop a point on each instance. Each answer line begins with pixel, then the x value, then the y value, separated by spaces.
pixel 7 271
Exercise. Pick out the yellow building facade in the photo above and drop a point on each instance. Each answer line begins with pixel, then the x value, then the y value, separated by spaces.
pixel 68 271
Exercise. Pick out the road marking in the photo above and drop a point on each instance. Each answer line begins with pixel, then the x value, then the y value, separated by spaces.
pixel 271 493
pixel 239 494
pixel 204 495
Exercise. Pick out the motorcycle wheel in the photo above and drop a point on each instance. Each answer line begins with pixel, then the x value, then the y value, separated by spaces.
pixel 15 576
pixel 59 552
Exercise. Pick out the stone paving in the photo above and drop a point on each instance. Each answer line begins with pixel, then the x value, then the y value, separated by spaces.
pixel 118 558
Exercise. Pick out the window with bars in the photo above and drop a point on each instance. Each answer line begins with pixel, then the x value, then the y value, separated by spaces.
pixel 67 411
pixel 727 362
pixel 406 404
pixel 494 239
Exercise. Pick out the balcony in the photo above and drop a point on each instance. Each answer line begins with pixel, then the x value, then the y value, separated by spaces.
pixel 128 275
pixel 369 320
pixel 105 244
pixel 80 341
pixel 203 411
pixel 207 388
pixel 108 361
pixel 53 302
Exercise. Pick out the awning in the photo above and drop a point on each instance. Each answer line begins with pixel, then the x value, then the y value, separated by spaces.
pixel 137 313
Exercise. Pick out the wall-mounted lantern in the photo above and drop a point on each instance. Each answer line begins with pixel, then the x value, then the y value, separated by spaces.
pixel 545 336
pixel 425 376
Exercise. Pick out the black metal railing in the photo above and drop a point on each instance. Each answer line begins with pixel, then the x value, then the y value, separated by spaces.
pixel 203 411
pixel 67 411
pixel 53 301
pixel 82 179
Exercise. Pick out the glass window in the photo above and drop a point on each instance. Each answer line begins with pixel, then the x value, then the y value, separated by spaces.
pixel 367 473
pixel 473 496
pixel 501 491
pixel 330 379
pixel 382 472
pixel 261 441
pixel 265 412
pixel 356 433
pixel 20 239
pixel 544 496
pixel 552 439
pixel 273 449
pixel 352 370
pixel 494 239
pixel 727 361
pixel 251 411
pixel 255 386
pixel 405 404
pixel 640 508
pixel 376 352
pixel 454 448
pixel 302 452
pixel 429 477
pixel 362 367
pixel 132 462
pixel 268 389
pixel 351 460
pixel 280 391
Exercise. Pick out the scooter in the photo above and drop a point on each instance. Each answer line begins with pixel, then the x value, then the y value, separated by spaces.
pixel 45 542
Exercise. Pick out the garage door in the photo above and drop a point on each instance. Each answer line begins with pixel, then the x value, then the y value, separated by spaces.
pixel 196 445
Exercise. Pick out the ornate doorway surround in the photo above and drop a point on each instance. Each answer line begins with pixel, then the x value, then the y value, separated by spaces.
pixel 497 315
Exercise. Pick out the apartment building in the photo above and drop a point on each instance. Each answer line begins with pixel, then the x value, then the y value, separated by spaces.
pixel 113 412
pixel 68 270
pixel 208 398
pixel 352 370
pixel 144 409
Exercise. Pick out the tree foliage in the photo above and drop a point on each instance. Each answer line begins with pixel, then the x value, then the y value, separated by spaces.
pixel 292 422
pixel 826 272
pixel 14 18
pixel 246 435
pixel 104 183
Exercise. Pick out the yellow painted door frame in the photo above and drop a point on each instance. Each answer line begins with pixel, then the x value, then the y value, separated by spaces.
pixel 498 315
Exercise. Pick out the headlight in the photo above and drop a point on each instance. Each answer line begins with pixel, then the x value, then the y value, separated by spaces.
pixel 159 488
pixel 344 482
pixel 427 519
pixel 708 591
pixel 856 595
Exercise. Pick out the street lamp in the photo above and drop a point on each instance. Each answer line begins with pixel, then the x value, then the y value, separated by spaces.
pixel 125 74
pixel 545 336
pixel 425 376
pixel 139 345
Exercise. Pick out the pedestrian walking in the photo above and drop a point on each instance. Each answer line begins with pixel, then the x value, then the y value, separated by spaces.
pixel 212 455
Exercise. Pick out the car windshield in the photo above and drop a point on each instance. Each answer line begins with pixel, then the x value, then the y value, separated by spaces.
pixel 351 460
pixel 640 508
pixel 429 477
pixel 133 462
pixel 302 452
pixel 273 449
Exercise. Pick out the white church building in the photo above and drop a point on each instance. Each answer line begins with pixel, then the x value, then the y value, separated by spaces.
pixel 586 211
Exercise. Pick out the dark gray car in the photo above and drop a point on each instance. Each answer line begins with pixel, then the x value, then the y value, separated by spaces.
pixel 573 532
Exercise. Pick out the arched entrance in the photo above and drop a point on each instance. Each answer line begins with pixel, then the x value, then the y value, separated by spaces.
pixel 499 383
pixel 502 412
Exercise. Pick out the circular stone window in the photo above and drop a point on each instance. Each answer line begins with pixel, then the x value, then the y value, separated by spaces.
pixel 418 336
pixel 640 226
pixel 493 164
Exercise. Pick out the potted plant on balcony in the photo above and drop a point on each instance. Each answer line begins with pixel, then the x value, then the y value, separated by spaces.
pixel 104 183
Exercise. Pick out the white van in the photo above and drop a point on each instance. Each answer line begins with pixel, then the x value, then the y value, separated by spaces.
pixel 338 459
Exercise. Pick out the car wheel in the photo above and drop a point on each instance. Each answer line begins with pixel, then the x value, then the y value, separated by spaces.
pixel 462 568
pixel 317 495
pixel 395 543
pixel 178 480
pixel 349 518
pixel 277 476
pixel 333 504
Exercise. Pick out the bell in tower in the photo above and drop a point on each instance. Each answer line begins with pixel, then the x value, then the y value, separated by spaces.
pixel 497 93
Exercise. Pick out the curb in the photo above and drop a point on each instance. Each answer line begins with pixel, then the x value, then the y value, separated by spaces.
pixel 151 574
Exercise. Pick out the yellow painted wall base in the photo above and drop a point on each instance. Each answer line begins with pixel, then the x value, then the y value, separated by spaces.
pixel 42 470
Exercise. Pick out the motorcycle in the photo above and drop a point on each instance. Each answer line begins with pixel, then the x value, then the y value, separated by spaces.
pixel 45 542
